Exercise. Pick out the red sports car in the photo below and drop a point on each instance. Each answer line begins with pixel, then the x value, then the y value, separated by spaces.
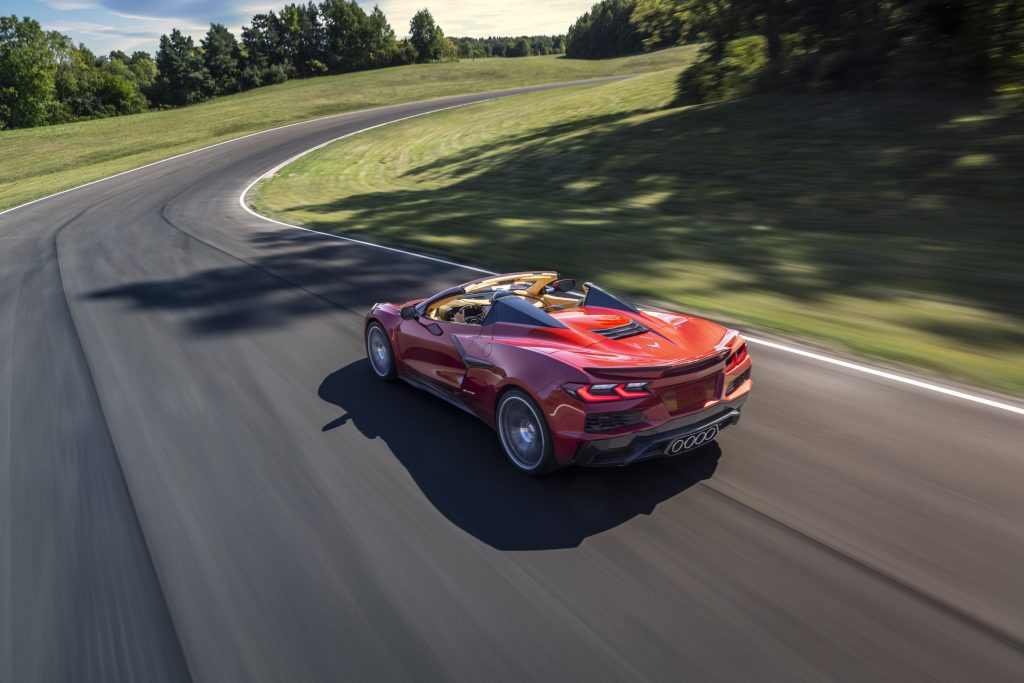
pixel 565 376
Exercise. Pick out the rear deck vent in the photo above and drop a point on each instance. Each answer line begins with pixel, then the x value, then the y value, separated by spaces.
pixel 628 330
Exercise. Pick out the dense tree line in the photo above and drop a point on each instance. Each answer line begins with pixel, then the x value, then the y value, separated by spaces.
pixel 519 46
pixel 45 78
pixel 607 30
pixel 752 45
pixel 298 41
pixel 856 44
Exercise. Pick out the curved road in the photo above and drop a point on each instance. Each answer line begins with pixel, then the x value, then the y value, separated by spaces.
pixel 199 479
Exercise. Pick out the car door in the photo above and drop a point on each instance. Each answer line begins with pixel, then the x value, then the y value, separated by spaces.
pixel 427 349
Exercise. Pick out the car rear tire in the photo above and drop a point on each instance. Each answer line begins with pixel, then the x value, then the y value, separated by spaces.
pixel 379 352
pixel 523 433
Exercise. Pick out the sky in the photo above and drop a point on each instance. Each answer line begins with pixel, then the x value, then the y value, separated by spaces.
pixel 105 25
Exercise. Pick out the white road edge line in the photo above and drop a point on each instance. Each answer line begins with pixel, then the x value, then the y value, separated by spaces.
pixel 495 95
pixel 241 200
pixel 185 154
pixel 889 376
pixel 273 171
pixel 763 342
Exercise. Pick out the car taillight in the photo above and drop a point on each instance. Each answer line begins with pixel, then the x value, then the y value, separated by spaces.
pixel 736 358
pixel 598 393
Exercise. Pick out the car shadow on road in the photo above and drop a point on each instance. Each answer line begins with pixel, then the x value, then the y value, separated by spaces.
pixel 455 460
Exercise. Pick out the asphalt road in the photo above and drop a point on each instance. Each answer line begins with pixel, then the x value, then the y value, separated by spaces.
pixel 200 479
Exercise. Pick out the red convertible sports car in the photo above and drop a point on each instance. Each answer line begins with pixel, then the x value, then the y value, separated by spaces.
pixel 565 377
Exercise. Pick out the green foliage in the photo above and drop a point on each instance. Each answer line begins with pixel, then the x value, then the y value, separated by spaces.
pixel 264 45
pixel 116 92
pixel 27 73
pixel 605 31
pixel 738 71
pixel 427 37
pixel 407 53
pixel 382 48
pixel 221 56
pixel 664 22
pixel 69 77
pixel 58 81
pixel 449 52
pixel 315 67
pixel 48 79
pixel 117 89
pixel 303 35
pixel 812 45
pixel 858 44
pixel 519 46
pixel 348 36
pixel 143 69
pixel 277 73
pixel 183 78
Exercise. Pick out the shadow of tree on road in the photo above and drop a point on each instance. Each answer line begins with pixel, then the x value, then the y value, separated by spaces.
pixel 873 196
pixel 298 274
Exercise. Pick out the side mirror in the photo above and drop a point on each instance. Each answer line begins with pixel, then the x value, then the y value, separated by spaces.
pixel 564 285
pixel 409 313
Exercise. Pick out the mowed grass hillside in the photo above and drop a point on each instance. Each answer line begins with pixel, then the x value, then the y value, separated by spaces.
pixel 886 225
pixel 38 161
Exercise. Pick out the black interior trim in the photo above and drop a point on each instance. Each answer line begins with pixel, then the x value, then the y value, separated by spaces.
pixel 602 299
pixel 467 360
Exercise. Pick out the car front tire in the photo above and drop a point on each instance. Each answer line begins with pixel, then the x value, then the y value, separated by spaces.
pixel 524 434
pixel 379 352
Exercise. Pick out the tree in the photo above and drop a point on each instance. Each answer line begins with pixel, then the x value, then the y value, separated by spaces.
pixel 427 37
pixel 27 71
pixel 266 46
pixel 115 91
pixel 383 47
pixel 348 35
pixel 183 78
pixel 220 56
pixel 541 45
pixel 853 44
pixel 508 47
pixel 665 22
pixel 70 77
pixel 407 53
pixel 144 69
pixel 90 86
pixel 448 52
pixel 605 31
pixel 521 48
pixel 307 33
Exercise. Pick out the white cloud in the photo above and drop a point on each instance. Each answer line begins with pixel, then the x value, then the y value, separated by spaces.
pixel 483 18
pixel 163 24
pixel 67 5
pixel 87 27
pixel 250 9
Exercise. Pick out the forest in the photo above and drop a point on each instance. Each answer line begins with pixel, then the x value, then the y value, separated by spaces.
pixel 45 78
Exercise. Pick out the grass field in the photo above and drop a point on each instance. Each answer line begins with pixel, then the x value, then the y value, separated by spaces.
pixel 39 161
pixel 890 226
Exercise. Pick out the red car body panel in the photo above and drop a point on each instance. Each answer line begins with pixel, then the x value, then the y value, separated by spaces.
pixel 696 372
